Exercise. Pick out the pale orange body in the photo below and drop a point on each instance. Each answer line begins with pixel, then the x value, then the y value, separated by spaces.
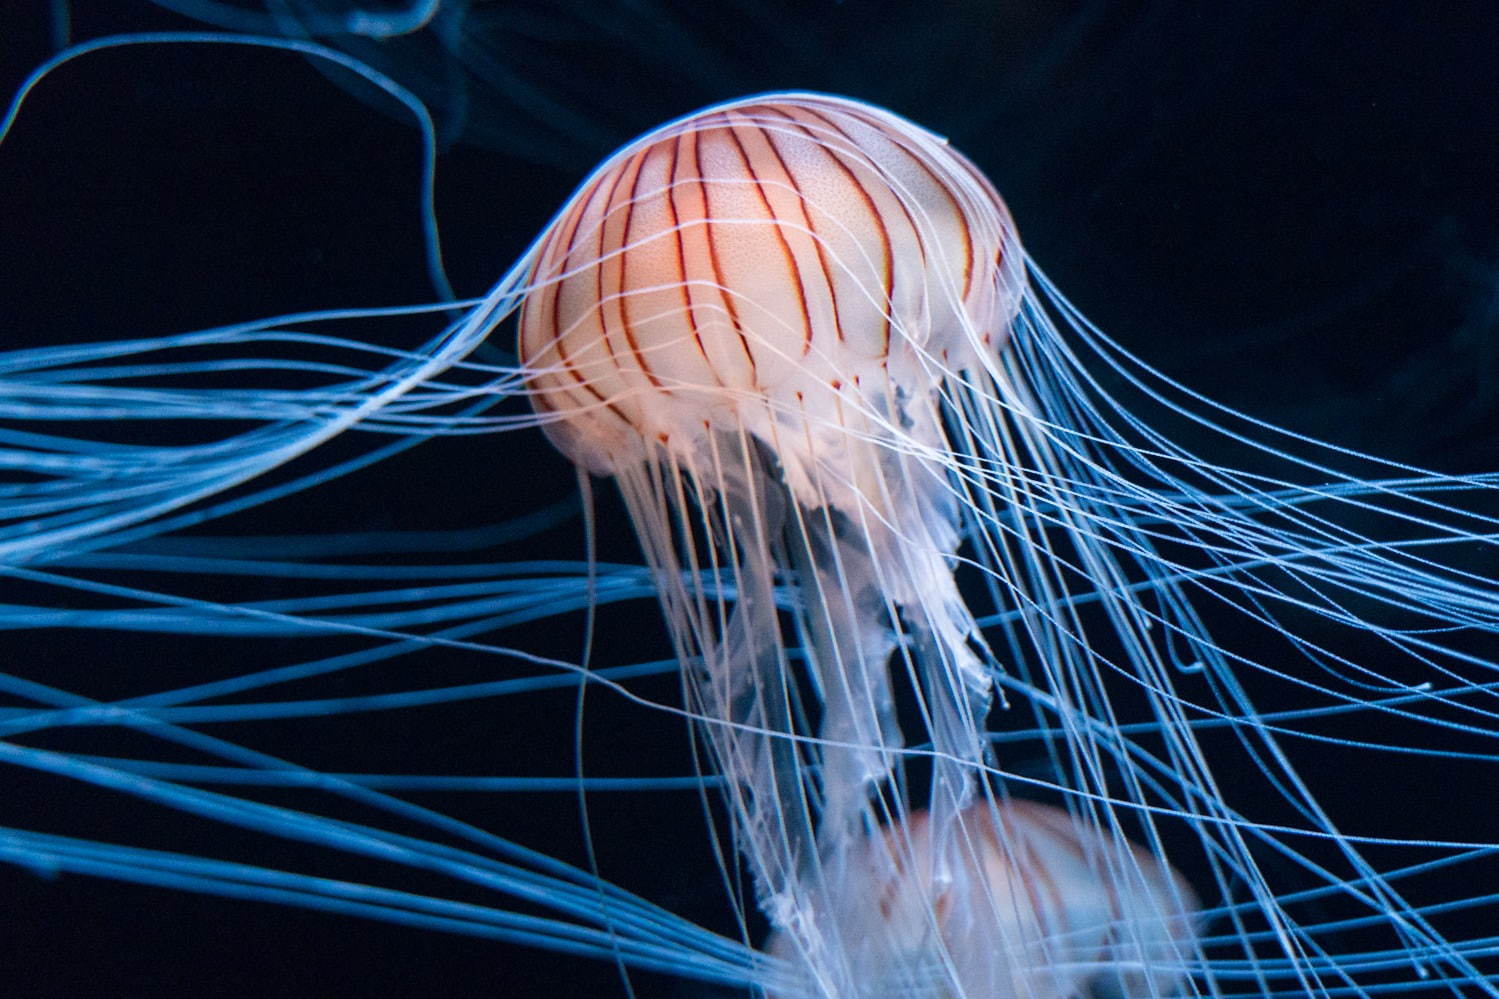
pixel 764 265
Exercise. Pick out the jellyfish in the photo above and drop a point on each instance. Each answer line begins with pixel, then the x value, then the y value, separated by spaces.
pixel 793 329
pixel 762 322
pixel 969 617
pixel 1046 918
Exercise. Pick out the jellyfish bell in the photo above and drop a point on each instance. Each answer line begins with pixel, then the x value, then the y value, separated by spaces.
pixel 798 268
pixel 1035 903
pixel 793 266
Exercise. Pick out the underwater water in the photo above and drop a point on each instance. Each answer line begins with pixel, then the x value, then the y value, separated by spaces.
pixel 1294 218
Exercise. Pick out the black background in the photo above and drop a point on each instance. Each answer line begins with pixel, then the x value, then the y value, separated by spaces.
pixel 1292 212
